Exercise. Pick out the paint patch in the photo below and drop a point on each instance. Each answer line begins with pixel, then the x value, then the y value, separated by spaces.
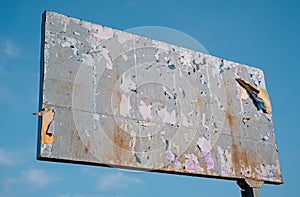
pixel 124 37
pixel 127 84
pixel 145 110
pixel 171 65
pixel 106 55
pixel 173 158
pixel 225 161
pixel 72 44
pixel 243 93
pixel 96 117
pixel 125 57
pixel 267 171
pixel 101 33
pixel 125 106
pixel 167 117
pixel 209 161
pixel 192 162
pixel 245 120
pixel 186 122
pixel 204 144
pixel 65 44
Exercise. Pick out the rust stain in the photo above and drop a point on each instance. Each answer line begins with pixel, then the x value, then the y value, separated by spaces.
pixel 77 147
pixel 203 164
pixel 235 156
pixel 77 136
pixel 121 141
pixel 229 115
pixel 166 167
pixel 244 158
pixel 240 157
pixel 199 102
pixel 87 148
pixel 116 92
pixel 230 120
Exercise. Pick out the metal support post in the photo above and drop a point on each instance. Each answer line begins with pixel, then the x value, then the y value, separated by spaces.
pixel 249 188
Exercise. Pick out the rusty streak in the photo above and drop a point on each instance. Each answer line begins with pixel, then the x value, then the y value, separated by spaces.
pixel 121 142
pixel 230 120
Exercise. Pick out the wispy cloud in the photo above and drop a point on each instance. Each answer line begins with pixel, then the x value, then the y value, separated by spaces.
pixel 39 178
pixel 31 178
pixel 5 158
pixel 12 158
pixel 79 195
pixel 131 3
pixel 89 171
pixel 116 180
pixel 10 49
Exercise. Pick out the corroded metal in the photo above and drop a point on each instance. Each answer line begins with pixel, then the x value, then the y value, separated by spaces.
pixel 249 188
pixel 128 101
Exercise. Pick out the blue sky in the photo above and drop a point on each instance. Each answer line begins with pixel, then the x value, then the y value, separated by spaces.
pixel 260 33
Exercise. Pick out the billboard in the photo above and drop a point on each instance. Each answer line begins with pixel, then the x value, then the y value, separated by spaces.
pixel 111 98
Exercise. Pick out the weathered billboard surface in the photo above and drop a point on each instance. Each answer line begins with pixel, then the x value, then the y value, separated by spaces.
pixel 112 98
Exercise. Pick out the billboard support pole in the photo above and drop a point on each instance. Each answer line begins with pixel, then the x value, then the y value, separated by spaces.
pixel 249 188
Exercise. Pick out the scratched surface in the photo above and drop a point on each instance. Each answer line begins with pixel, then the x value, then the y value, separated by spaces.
pixel 119 99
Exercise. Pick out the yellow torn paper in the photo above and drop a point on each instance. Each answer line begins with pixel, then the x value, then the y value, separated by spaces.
pixel 263 94
pixel 47 125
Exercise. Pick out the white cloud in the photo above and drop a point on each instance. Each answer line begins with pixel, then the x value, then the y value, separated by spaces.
pixel 5 158
pixel 37 177
pixel 15 157
pixel 31 178
pixel 131 3
pixel 116 180
pixel 10 49
pixel 79 195
pixel 89 171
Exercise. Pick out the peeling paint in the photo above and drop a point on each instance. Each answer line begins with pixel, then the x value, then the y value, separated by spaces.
pixel 96 117
pixel 171 65
pixel 125 57
pixel 125 106
pixel 186 122
pixel 192 162
pixel 145 111
pixel 127 84
pixel 106 55
pixel 124 37
pixel 208 159
pixel 265 137
pixel 65 22
pixel 173 158
pixel 167 117
pixel 205 148
pixel 259 96
pixel 129 101
pixel 72 44
pixel 225 161
pixel 267 171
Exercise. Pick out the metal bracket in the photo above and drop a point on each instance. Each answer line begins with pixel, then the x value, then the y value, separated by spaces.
pixel 249 188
